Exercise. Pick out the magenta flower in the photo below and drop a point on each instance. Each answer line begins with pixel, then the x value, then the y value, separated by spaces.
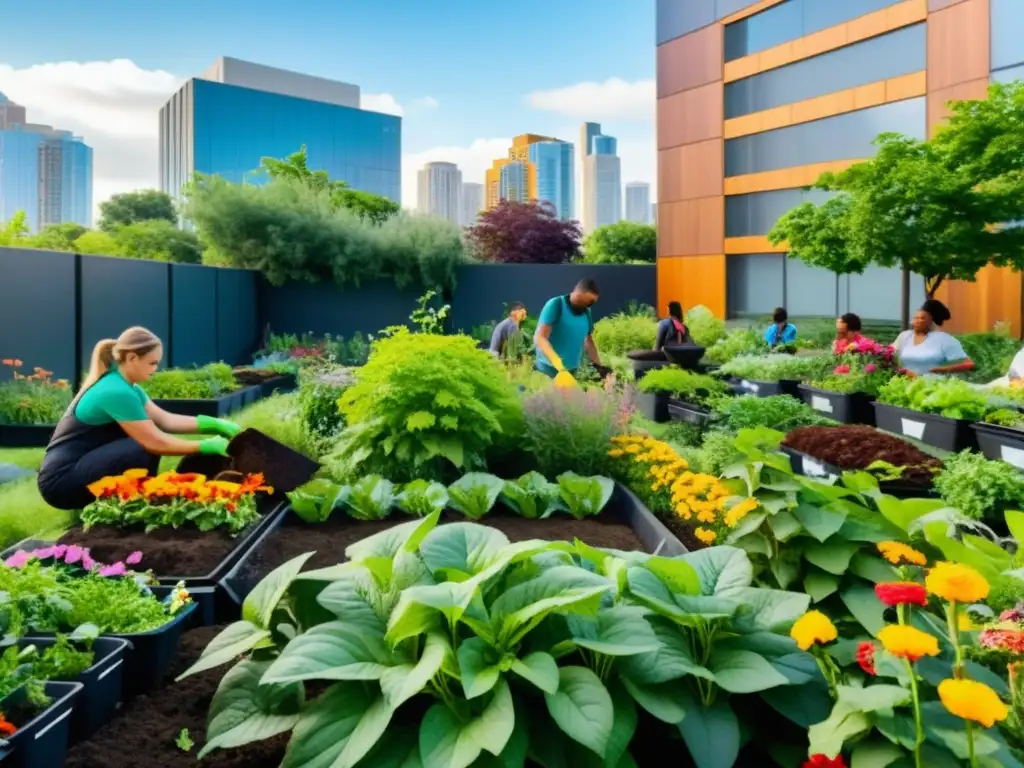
pixel 87 562
pixel 43 553
pixel 74 554
pixel 870 368
pixel 18 559
pixel 134 558
pixel 59 550
pixel 117 569
pixel 842 369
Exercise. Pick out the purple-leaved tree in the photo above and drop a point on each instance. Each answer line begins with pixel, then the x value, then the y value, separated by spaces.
pixel 524 233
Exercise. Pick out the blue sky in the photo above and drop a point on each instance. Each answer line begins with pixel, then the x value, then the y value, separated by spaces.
pixel 479 61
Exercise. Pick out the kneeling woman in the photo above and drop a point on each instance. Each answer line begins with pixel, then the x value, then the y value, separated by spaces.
pixel 112 426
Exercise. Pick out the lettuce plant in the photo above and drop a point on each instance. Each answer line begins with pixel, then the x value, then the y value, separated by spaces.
pixel 421 498
pixel 449 647
pixel 316 500
pixel 475 494
pixel 531 496
pixel 584 496
pixel 370 498
pixel 952 398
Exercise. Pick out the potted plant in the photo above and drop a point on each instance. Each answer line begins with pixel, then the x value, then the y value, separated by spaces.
pixel 30 406
pixel 769 375
pixel 675 393
pixel 847 391
pixel 936 411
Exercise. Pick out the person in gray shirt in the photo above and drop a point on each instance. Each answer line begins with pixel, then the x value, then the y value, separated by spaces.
pixel 507 329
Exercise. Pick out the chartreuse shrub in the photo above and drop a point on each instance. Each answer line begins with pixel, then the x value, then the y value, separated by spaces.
pixel 952 398
pixel 695 388
pixel 449 647
pixel 625 332
pixel 424 406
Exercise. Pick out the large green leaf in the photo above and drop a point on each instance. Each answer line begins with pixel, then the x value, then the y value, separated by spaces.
pixel 493 728
pixel 818 521
pixel 843 723
pixel 687 610
pixel 833 557
pixel 865 606
pixel 770 610
pixel 243 711
pixel 462 547
pixel 903 512
pixel 447 742
pixel 678 575
pixel 876 754
pixel 338 729
pixel 721 569
pixel 557 589
pixel 583 708
pixel 1015 523
pixel 388 542
pixel 349 597
pixel 236 639
pixel 785 526
pixel 665 701
pixel 958 552
pixel 540 669
pixel 621 630
pixel 401 683
pixel 801 704
pixel 478 667
pixel 672 660
pixel 333 651
pixel 712 734
pixel 623 725
pixel 873 568
pixel 744 672
pixel 260 604
pixel 820 585
pixel 873 698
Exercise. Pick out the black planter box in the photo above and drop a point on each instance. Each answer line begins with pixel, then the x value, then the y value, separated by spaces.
pixel 43 741
pixel 286 382
pixel 767 388
pixel 1001 443
pixel 218 407
pixel 809 466
pixel 678 410
pixel 646 360
pixel 101 684
pixel 150 653
pixel 26 435
pixel 653 406
pixel 854 408
pixel 938 431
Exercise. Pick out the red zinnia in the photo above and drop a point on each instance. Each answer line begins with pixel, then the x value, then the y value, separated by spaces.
pixel 900 592
pixel 866 657
pixel 823 761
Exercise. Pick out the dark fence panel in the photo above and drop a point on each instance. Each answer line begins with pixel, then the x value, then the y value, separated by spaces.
pixel 37 310
pixel 237 327
pixel 119 293
pixel 193 316
pixel 483 290
pixel 322 308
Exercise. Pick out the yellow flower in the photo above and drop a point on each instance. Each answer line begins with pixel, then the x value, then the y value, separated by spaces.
pixel 908 642
pixel 813 627
pixel 616 453
pixel 705 535
pixel 897 553
pixel 956 582
pixel 963 622
pixel 973 701
pixel 632 449
pixel 739 511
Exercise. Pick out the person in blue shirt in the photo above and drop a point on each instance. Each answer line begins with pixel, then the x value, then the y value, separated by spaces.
pixel 926 348
pixel 781 332
pixel 565 327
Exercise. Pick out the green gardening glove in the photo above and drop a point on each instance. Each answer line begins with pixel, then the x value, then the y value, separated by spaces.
pixel 214 446
pixel 211 426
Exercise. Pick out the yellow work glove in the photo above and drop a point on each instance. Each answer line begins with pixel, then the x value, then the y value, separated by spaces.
pixel 564 380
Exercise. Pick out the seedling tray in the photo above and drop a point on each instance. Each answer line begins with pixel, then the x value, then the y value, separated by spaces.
pixel 26 435
pixel 689 413
pixel 1001 443
pixel 101 684
pixel 932 429
pixel 218 407
pixel 809 466
pixel 43 741
pixel 854 408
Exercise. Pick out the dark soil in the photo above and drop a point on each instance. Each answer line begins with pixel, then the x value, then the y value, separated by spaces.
pixel 247 377
pixel 144 732
pixel 330 539
pixel 683 531
pixel 165 551
pixel 854 447
pixel 252 452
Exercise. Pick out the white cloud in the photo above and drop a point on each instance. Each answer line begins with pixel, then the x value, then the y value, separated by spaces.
pixel 614 99
pixel 381 102
pixel 473 161
pixel 426 102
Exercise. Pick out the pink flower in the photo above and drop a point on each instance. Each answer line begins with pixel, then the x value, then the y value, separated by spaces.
pixel 74 554
pixel 134 558
pixel 117 569
pixel 870 368
pixel 842 369
pixel 87 562
pixel 43 553
pixel 18 559
pixel 59 550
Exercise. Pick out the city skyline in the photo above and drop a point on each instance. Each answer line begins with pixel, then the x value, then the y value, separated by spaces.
pixel 601 178
pixel 109 88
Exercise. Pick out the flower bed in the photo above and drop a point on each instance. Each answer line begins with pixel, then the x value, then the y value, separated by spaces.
pixel 901 468
pixel 30 406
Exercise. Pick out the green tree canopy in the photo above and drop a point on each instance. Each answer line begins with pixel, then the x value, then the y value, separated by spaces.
pixel 159 240
pixel 132 207
pixel 625 242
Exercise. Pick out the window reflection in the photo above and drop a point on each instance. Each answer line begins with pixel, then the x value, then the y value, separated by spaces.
pixel 1007 33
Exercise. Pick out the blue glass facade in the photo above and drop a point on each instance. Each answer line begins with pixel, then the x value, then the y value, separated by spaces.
pixel 1007 39
pixel 554 163
pixel 605 145
pixel 215 128
pixel 19 175
pixel 513 183
pixel 76 182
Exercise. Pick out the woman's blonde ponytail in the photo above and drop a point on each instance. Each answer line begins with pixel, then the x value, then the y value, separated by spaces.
pixel 100 362
pixel 107 352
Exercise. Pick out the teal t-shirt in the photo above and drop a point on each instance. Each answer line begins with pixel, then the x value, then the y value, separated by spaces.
pixel 568 332
pixel 112 399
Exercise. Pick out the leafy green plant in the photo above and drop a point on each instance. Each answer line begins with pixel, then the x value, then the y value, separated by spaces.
pixel 475 494
pixel 625 332
pixel 424 406
pixel 34 398
pixel 979 488
pixel 777 367
pixel 531 496
pixel 780 412
pixel 694 388
pixel 991 354
pixel 184 741
pixel 369 498
pixel 584 496
pixel 428 318
pixel 742 341
pixel 206 383
pixel 318 403
pixel 952 398
pixel 420 498
pixel 315 501
pixel 446 643
pixel 704 327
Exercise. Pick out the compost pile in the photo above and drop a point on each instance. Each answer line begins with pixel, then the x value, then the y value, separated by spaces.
pixel 857 447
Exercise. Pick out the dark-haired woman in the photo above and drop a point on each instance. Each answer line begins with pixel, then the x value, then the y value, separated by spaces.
pixel 848 328
pixel 672 330
pixel 781 333
pixel 926 348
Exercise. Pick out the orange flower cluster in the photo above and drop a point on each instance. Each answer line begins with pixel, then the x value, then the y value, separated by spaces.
pixel 40 375
pixel 7 728
pixel 135 485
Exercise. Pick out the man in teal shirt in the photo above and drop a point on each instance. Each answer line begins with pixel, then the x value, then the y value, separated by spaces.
pixel 565 328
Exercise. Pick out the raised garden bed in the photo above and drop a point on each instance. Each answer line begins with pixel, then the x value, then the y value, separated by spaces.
pixel 625 524
pixel 653 405
pixel 827 452
pixel 853 408
pixel 930 428
pixel 26 435
pixel 679 410
pixel 41 740
pixel 766 388
pixel 217 407
pixel 998 442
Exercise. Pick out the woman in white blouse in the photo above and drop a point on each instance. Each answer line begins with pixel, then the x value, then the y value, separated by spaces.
pixel 926 348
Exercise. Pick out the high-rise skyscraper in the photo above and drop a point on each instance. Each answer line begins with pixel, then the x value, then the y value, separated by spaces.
pixel 472 202
pixel 225 121
pixel 638 202
pixel 439 191
pixel 45 172
pixel 537 168
pixel 601 178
